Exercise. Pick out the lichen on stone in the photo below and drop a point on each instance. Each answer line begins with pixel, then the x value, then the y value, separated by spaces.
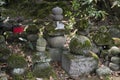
pixel 80 45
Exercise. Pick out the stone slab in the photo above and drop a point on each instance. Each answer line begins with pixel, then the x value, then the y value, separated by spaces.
pixel 76 65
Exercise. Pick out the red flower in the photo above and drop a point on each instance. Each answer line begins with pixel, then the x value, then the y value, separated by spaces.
pixel 18 29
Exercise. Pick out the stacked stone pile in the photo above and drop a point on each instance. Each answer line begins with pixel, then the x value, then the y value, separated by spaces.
pixel 41 59
pixel 56 38
pixel 114 54
pixel 79 60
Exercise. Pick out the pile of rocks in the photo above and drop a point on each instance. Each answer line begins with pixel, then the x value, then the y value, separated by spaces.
pixel 56 38
pixel 41 59
pixel 114 54
pixel 112 62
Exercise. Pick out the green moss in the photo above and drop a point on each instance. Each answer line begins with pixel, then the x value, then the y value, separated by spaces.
pixel 16 61
pixel 73 43
pixel 87 43
pixel 102 38
pixel 43 73
pixel 29 75
pixel 94 55
pixel 69 56
pixel 4 53
pixel 116 41
pixel 79 43
pixel 17 77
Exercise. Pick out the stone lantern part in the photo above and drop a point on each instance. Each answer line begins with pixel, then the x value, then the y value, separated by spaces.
pixel 58 17
pixel 57 11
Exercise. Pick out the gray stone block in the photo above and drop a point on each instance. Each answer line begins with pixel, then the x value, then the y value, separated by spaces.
pixel 76 65
pixel 114 67
pixel 103 71
pixel 115 60
pixel 55 54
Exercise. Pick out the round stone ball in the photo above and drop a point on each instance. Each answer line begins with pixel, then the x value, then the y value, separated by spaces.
pixel 57 11
pixel 80 45
pixel 114 50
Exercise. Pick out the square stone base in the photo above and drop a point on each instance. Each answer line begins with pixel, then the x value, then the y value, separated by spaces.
pixel 55 54
pixel 77 65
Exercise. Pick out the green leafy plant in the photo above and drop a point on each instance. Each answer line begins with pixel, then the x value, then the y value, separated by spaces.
pixel 82 11
pixel 32 29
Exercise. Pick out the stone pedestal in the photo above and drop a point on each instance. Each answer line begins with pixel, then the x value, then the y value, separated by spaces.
pixel 76 65
pixel 55 54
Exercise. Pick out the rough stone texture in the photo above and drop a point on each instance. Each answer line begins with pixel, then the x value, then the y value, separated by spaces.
pixel 56 41
pixel 42 70
pixel 55 54
pixel 114 50
pixel 103 71
pixel 32 37
pixel 115 60
pixel 114 32
pixel 39 48
pixel 58 17
pixel 76 65
pixel 41 57
pixel 41 44
pixel 57 11
pixel 80 45
pixel 18 71
pixel 114 67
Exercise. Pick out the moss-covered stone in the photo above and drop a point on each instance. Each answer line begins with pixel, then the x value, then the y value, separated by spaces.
pixel 77 65
pixel 80 45
pixel 69 56
pixel 94 55
pixel 16 61
pixel 114 50
pixel 41 57
pixel 102 37
pixel 43 70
